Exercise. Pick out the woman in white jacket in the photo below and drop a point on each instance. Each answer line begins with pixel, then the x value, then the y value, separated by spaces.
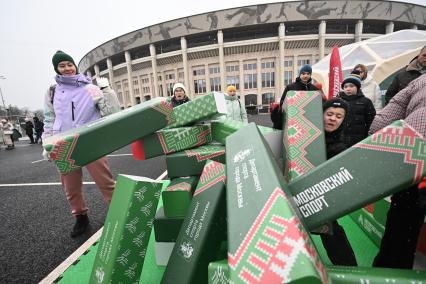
pixel 236 110
pixel 369 87
pixel 7 128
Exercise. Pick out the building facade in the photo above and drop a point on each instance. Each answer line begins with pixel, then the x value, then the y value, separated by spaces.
pixel 259 48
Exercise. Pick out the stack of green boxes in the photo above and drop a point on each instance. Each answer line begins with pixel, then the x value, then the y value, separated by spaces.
pixel 168 220
pixel 246 204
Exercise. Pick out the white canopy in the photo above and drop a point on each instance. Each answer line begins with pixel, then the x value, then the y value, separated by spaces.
pixel 384 55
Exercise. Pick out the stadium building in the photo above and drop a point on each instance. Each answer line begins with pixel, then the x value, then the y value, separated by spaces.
pixel 259 48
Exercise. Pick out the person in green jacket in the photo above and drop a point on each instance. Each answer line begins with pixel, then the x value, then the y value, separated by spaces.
pixel 236 110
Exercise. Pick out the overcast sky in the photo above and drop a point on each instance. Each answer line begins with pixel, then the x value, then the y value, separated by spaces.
pixel 32 31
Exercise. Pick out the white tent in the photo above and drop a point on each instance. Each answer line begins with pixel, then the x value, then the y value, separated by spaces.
pixel 384 55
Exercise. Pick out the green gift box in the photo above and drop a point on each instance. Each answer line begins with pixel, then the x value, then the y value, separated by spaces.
pixel 203 230
pixel 225 127
pixel 370 275
pixel 78 147
pixel 178 195
pixel 347 182
pixel 191 162
pixel 123 244
pixel 267 242
pixel 373 224
pixel 166 229
pixel 381 208
pixel 168 141
pixel 304 141
pixel 219 272
pixel 371 227
pixel 200 108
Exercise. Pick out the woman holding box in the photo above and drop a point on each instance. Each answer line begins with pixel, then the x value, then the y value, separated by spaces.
pixel 73 102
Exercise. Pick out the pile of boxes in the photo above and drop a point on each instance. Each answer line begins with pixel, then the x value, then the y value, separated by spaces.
pixel 242 199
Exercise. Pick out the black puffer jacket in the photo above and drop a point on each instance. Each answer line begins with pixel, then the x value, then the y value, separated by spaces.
pixel 359 118
pixel 176 103
pixel 402 79
pixel 298 85
pixel 334 142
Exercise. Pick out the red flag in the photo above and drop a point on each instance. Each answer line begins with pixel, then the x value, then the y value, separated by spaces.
pixel 335 74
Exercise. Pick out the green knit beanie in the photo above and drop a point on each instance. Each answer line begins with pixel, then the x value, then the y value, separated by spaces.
pixel 60 56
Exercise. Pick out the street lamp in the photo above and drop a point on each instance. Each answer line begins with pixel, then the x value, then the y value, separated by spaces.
pixel 2 99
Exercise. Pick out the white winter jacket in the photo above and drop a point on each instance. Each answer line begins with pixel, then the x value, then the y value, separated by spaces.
pixel 372 91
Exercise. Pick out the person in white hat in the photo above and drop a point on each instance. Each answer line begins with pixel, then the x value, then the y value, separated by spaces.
pixel 179 95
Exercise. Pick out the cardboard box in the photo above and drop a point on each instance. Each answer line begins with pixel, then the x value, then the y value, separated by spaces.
pixel 178 195
pixel 371 227
pixel 78 147
pixel 198 109
pixel 191 162
pixel 219 272
pixel 347 182
pixel 223 128
pixel 357 275
pixel 203 230
pixel 163 251
pixel 267 242
pixel 304 140
pixel 381 208
pixel 123 244
pixel 168 141
pixel 166 229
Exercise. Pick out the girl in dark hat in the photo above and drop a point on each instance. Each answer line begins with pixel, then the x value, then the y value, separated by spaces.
pixel 361 110
pixel 74 102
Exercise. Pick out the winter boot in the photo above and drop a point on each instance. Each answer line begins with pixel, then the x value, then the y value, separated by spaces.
pixel 80 225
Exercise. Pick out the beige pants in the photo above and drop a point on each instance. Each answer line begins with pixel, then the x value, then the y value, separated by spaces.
pixel 7 138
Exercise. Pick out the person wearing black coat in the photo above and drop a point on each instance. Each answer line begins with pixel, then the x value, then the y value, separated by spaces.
pixel 361 110
pixel 29 126
pixel 414 69
pixel 38 127
pixel 336 243
pixel 302 83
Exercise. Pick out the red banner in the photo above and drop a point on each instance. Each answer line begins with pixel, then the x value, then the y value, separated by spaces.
pixel 335 74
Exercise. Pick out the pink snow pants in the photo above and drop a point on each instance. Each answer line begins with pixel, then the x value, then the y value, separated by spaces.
pixel 73 185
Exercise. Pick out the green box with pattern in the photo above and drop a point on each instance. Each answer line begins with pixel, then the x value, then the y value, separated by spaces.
pixel 178 195
pixel 203 230
pixel 169 141
pixel 346 182
pixel 78 147
pixel 123 244
pixel 201 108
pixel 225 127
pixel 264 229
pixel 218 272
pixel 191 162
pixel 303 140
